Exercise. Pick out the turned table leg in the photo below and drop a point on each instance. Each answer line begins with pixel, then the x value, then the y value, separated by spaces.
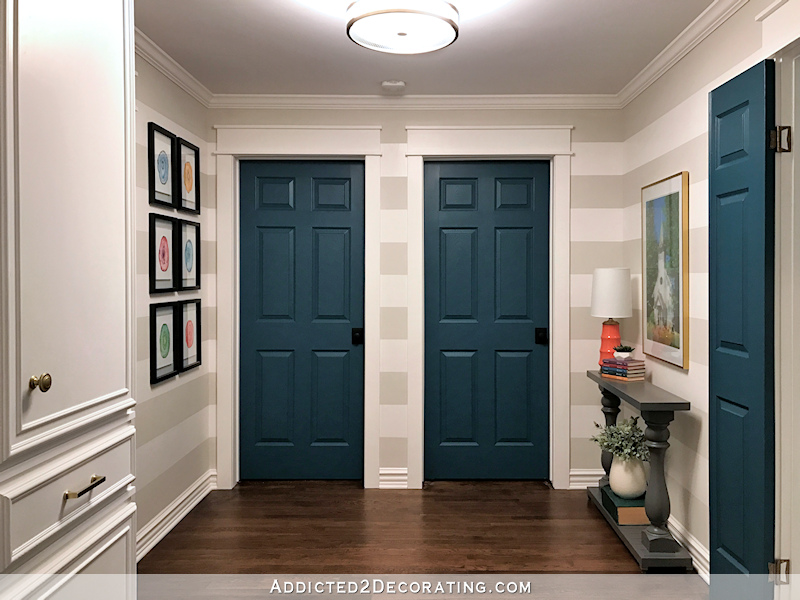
pixel 655 537
pixel 610 410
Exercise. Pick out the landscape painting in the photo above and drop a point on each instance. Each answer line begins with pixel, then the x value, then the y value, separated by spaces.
pixel 665 258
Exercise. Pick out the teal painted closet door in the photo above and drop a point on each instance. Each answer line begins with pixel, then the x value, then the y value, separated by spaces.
pixel 302 293
pixel 741 290
pixel 486 291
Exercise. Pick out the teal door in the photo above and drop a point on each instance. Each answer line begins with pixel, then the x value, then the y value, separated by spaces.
pixel 741 410
pixel 302 294
pixel 486 293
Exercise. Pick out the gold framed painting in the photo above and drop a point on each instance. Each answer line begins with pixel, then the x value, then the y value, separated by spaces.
pixel 665 269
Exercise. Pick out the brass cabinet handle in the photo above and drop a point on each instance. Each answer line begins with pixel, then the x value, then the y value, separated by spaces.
pixel 93 483
pixel 44 382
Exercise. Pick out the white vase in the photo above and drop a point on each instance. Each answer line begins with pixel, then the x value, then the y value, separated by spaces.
pixel 627 478
pixel 622 356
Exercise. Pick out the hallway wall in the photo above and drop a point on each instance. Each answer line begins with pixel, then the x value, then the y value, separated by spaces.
pixel 175 436
pixel 666 131
pixel 596 241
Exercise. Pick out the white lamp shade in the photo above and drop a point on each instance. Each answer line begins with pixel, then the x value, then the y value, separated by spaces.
pixel 611 293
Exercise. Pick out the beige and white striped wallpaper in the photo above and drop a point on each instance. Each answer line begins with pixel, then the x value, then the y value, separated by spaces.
pixel 616 153
pixel 175 439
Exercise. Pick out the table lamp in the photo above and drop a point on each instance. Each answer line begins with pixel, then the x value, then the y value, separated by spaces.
pixel 611 299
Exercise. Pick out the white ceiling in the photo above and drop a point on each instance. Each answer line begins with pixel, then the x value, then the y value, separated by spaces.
pixel 522 47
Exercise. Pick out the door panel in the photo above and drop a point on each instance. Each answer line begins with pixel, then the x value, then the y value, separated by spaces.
pixel 302 292
pixel 66 240
pixel 741 296
pixel 486 289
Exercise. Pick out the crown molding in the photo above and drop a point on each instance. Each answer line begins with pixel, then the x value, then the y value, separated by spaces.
pixel 698 30
pixel 703 26
pixel 428 102
pixel 167 66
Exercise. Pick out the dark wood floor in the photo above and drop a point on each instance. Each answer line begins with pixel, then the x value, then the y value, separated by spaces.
pixel 338 527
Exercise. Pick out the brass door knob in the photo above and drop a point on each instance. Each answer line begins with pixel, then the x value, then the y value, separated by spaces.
pixel 44 382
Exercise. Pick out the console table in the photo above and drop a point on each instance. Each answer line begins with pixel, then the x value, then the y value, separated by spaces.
pixel 652 545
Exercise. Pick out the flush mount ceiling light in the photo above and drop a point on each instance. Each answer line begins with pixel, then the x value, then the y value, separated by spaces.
pixel 402 26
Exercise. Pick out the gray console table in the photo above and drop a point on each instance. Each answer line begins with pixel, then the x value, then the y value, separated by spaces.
pixel 652 545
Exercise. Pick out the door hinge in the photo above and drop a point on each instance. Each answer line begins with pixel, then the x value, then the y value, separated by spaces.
pixel 780 139
pixel 779 571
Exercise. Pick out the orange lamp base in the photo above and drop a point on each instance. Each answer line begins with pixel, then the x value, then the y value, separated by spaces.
pixel 608 340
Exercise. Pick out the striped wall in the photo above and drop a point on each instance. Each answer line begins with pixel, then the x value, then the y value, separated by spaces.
pixel 175 439
pixel 394 443
pixel 667 132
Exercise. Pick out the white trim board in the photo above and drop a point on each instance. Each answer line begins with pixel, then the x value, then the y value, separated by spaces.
pixel 165 521
pixel 240 142
pixel 551 143
pixel 393 479
pixel 580 479
pixel 704 25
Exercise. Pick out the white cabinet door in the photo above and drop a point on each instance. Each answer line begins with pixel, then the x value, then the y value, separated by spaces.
pixel 67 160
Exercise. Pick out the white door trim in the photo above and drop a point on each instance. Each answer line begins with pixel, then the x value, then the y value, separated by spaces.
pixel 548 143
pixel 251 142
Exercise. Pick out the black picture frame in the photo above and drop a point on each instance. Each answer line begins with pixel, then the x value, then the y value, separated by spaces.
pixel 187 274
pixel 164 325
pixel 191 350
pixel 161 150
pixel 161 239
pixel 186 164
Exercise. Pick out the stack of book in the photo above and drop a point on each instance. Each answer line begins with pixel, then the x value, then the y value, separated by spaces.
pixel 629 369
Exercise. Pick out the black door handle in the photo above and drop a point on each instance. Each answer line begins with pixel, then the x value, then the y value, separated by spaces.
pixel 540 337
pixel 358 336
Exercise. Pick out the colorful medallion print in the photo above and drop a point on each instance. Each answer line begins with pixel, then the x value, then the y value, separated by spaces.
pixel 163 167
pixel 163 254
pixel 163 341
pixel 188 179
pixel 188 255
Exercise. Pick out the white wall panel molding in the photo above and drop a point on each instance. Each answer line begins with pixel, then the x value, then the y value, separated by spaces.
pixel 153 532
pixel 698 30
pixel 393 479
pixel 553 143
pixel 580 479
pixel 167 66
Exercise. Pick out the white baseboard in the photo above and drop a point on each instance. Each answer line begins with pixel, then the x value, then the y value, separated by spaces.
pixel 393 479
pixel 701 556
pixel 152 533
pixel 580 479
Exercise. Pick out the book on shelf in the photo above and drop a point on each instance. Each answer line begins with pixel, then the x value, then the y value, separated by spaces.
pixel 624 511
pixel 627 362
pixel 622 372
pixel 618 378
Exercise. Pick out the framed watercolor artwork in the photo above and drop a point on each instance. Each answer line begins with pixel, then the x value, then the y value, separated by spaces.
pixel 187 244
pixel 161 145
pixel 190 334
pixel 187 180
pixel 164 352
pixel 162 256
pixel 665 269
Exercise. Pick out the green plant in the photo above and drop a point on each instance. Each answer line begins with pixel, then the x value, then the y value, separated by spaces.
pixel 624 440
pixel 624 348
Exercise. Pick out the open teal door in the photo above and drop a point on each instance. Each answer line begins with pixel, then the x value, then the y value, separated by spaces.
pixel 741 296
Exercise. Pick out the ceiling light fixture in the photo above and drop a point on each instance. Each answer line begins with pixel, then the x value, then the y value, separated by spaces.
pixel 402 26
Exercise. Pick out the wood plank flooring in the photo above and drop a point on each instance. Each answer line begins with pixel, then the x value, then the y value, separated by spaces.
pixel 339 527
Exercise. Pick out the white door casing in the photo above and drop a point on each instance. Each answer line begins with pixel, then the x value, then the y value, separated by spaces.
pixel 287 142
